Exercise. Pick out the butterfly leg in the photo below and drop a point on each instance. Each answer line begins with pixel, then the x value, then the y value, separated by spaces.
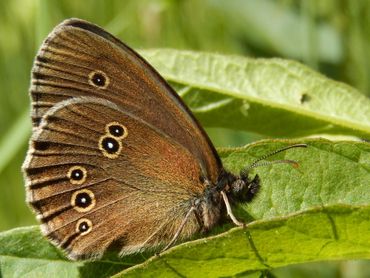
pixel 230 212
pixel 173 240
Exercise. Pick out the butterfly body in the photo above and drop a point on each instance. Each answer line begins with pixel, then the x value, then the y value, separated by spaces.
pixel 116 158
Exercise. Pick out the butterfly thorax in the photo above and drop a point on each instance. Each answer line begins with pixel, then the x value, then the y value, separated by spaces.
pixel 209 208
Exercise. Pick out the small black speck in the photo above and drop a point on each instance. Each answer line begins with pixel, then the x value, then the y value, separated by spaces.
pixel 305 98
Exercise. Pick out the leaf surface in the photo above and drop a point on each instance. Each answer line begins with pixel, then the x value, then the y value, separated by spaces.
pixel 272 97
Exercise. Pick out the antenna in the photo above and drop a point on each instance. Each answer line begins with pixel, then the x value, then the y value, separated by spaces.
pixel 257 164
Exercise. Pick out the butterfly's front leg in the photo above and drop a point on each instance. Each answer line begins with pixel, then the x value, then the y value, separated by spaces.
pixel 229 210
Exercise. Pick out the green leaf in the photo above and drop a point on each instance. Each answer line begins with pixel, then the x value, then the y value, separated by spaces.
pixel 320 211
pixel 334 232
pixel 273 97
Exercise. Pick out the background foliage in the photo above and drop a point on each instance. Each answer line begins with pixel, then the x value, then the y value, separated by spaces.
pixel 331 36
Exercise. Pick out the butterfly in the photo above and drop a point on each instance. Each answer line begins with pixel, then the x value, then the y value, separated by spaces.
pixel 116 159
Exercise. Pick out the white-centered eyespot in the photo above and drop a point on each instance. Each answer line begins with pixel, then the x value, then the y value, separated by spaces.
pixel 83 200
pixel 110 146
pixel 98 79
pixel 83 226
pixel 77 175
pixel 116 130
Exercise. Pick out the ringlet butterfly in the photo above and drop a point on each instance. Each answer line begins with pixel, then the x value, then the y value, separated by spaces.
pixel 116 158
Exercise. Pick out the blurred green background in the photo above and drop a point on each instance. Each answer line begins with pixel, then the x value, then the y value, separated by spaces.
pixel 331 36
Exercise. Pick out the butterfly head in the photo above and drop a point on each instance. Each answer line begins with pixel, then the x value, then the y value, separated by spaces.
pixel 243 188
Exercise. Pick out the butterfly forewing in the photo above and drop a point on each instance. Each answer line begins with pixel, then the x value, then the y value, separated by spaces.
pixel 81 59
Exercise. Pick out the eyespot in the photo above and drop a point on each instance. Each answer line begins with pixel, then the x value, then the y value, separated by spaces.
pixel 77 175
pixel 116 130
pixel 110 146
pixel 83 200
pixel 98 79
pixel 83 226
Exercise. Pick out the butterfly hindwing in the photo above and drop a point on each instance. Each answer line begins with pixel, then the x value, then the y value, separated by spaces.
pixel 99 176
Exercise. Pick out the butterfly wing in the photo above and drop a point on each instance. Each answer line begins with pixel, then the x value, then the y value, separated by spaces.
pixel 99 176
pixel 81 59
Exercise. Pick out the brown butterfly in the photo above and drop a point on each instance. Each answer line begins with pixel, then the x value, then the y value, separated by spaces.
pixel 116 158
